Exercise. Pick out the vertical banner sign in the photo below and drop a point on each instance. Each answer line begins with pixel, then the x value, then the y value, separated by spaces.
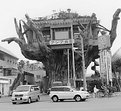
pixel 105 65
pixel 109 68
pixel 105 57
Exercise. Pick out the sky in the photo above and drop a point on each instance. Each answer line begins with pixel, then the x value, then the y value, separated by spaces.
pixel 10 9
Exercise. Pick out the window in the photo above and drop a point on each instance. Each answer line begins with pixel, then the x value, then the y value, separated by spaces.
pixel 36 88
pixel 1 57
pixel 54 89
pixel 66 89
pixel 32 89
pixel 61 89
pixel 38 76
pixel 57 89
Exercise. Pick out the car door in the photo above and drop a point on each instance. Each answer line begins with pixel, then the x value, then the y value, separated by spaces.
pixel 67 93
pixel 59 92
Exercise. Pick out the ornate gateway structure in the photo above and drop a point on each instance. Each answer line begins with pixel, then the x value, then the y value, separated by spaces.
pixel 53 41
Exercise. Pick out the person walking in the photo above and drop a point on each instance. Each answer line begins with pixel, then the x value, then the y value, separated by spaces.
pixel 95 91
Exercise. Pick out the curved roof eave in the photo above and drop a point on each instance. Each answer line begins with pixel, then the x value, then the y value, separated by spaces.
pixel 8 52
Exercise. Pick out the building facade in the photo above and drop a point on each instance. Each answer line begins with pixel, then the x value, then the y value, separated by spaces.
pixel 36 70
pixel 8 70
pixel 34 74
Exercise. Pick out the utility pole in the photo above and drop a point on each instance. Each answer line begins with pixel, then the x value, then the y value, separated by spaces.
pixel 68 68
pixel 72 39
pixel 83 62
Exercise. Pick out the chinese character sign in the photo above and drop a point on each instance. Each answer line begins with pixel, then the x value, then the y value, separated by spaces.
pixel 109 68
pixel 105 64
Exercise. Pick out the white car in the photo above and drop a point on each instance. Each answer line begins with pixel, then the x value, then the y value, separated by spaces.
pixel 66 93
pixel 26 93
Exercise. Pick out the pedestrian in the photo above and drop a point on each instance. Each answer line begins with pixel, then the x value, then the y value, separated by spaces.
pixel 0 94
pixel 81 89
pixel 95 91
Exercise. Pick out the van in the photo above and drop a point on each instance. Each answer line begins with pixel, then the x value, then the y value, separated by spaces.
pixel 26 93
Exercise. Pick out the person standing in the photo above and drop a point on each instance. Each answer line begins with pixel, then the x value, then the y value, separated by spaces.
pixel 95 91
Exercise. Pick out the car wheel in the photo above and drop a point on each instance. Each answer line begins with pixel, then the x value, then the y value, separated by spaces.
pixel 77 98
pixel 13 102
pixel 38 98
pixel 55 99
pixel 29 100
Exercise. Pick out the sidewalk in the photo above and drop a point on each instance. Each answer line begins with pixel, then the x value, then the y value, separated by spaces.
pixel 117 94
pixel 113 95
pixel 5 99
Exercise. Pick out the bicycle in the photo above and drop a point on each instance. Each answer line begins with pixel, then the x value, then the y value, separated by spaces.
pixel 104 93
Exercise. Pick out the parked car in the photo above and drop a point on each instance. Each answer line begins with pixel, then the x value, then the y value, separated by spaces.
pixel 67 93
pixel 26 93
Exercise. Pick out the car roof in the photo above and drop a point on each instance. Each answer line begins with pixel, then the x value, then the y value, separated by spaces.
pixel 59 86
pixel 29 85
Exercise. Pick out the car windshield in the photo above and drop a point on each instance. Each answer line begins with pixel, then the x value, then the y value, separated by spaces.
pixel 73 88
pixel 22 89
pixel 57 84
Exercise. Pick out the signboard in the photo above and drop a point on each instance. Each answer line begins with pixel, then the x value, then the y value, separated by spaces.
pixel 4 80
pixel 61 35
pixel 103 42
pixel 57 42
pixel 109 68
pixel 103 63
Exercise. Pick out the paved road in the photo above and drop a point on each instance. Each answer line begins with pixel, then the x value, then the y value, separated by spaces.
pixel 45 104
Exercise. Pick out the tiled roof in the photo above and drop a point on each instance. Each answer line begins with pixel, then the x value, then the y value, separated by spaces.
pixel 56 22
pixel 7 52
